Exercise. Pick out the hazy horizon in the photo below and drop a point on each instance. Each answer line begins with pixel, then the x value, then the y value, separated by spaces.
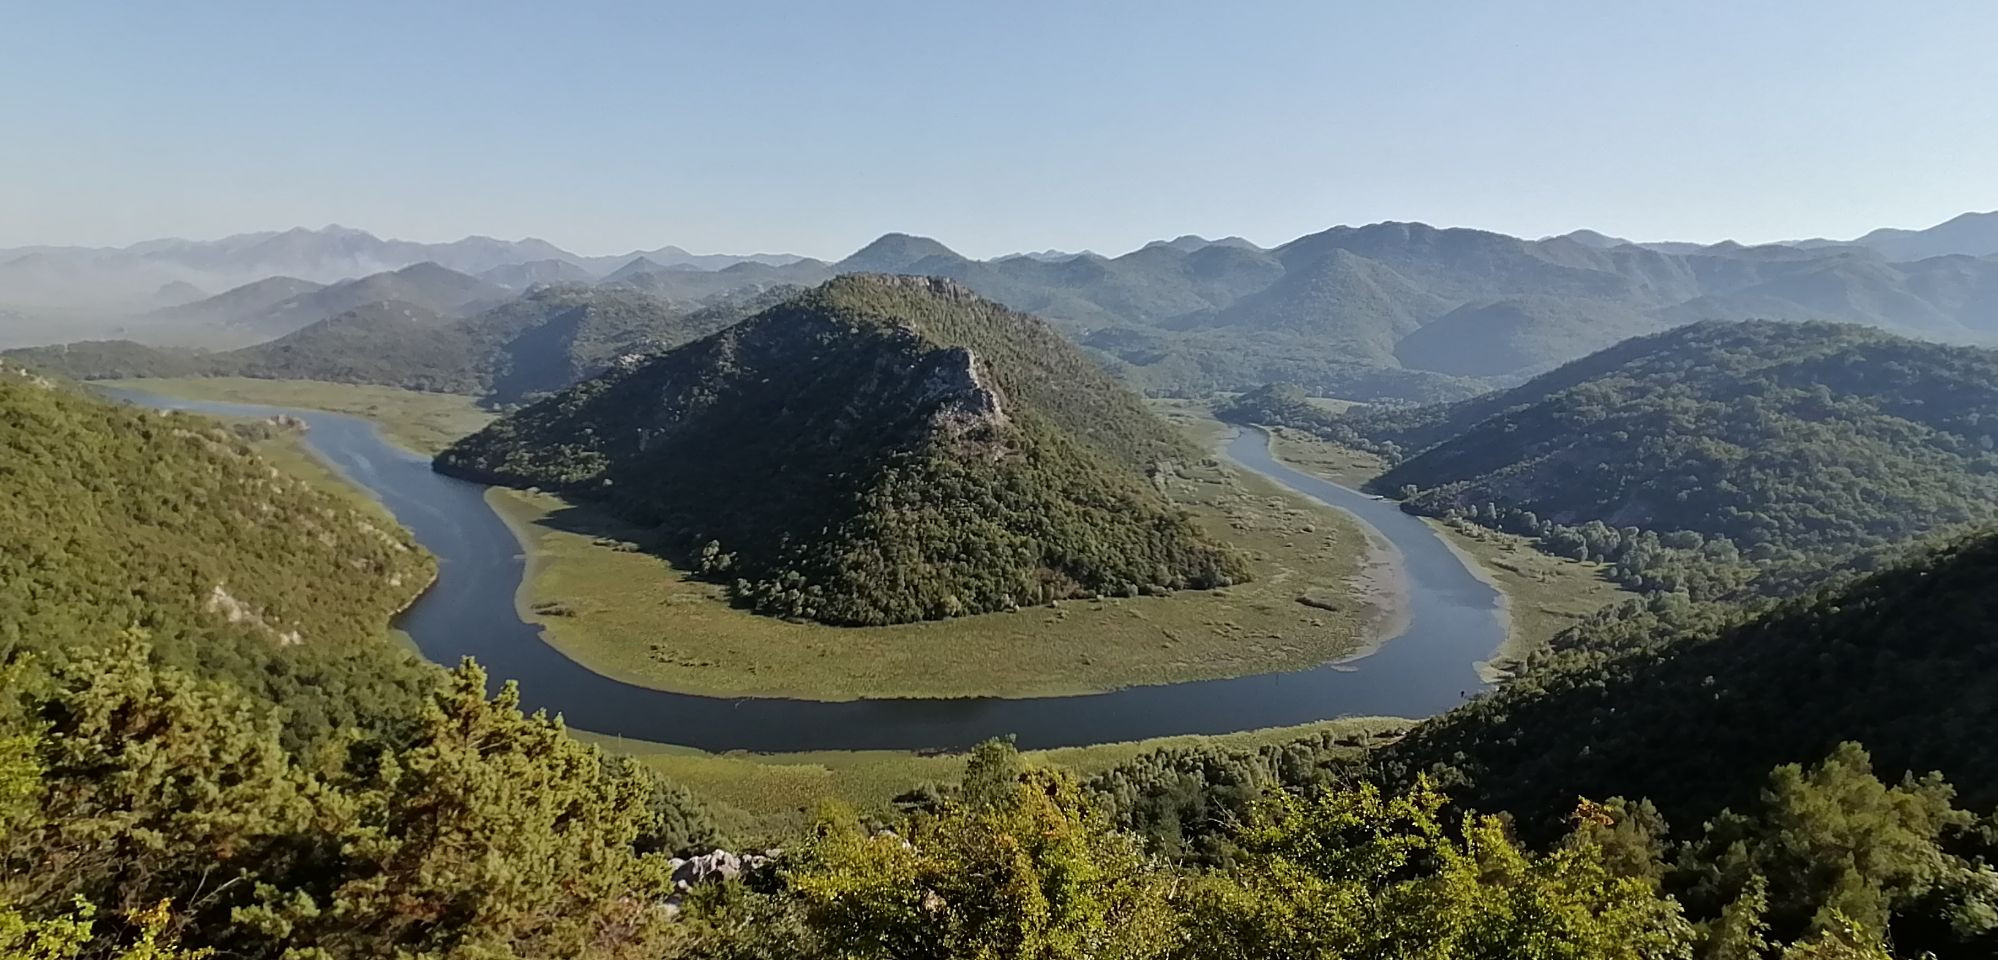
pixel 837 255
pixel 809 130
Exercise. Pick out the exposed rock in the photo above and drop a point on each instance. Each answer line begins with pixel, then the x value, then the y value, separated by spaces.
pixel 718 866
pixel 236 611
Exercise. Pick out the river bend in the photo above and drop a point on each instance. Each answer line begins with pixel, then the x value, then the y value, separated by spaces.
pixel 1454 620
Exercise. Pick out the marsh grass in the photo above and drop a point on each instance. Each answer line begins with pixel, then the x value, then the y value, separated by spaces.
pixel 624 611
pixel 422 422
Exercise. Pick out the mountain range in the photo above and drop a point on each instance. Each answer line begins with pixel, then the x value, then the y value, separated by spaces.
pixel 96 281
pixel 1413 312
pixel 1389 311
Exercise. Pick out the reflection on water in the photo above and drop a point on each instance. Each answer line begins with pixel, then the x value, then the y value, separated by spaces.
pixel 1454 621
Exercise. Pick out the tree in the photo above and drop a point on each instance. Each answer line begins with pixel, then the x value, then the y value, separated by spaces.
pixel 1032 873
pixel 490 832
pixel 1358 874
pixel 1834 847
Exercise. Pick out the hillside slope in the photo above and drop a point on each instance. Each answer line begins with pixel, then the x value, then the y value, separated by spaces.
pixel 204 716
pixel 554 336
pixel 1780 437
pixel 1686 710
pixel 1406 311
pixel 116 518
pixel 880 449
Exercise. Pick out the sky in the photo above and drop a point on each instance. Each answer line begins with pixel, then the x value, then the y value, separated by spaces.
pixel 993 126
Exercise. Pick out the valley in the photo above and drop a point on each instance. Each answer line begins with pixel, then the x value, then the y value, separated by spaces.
pixel 1268 481
pixel 771 793
pixel 632 603
pixel 1385 640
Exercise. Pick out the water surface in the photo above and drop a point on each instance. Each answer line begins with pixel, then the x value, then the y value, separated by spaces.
pixel 1454 620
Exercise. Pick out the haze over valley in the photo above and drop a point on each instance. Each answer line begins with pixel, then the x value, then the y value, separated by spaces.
pixel 1389 311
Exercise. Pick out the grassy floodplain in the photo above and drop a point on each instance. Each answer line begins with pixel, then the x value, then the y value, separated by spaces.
pixel 422 422
pixel 633 616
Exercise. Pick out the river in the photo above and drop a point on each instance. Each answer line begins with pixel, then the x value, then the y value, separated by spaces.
pixel 1454 620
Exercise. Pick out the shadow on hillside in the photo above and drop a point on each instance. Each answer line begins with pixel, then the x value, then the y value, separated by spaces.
pixel 611 532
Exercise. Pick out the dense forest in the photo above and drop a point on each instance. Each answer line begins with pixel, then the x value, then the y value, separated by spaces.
pixel 1683 707
pixel 1670 701
pixel 207 738
pixel 877 450
pixel 1702 458
pixel 118 519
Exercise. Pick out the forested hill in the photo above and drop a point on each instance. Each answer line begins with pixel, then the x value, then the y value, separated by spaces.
pixel 1782 439
pixel 879 449
pixel 116 518
pixel 206 735
pixel 1683 706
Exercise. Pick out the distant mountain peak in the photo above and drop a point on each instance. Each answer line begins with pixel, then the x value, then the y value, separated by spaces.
pixel 893 253
pixel 1591 238
pixel 1189 242
pixel 1049 255
pixel 636 266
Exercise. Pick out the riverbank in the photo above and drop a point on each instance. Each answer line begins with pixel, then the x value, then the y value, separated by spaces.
pixel 1322 592
pixel 472 612
pixel 1542 594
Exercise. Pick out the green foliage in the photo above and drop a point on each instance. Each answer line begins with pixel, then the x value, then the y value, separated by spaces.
pixel 480 832
pixel 488 833
pixel 1680 703
pixel 962 459
pixel 1358 874
pixel 1834 846
pixel 1848 941
pixel 1696 459
pixel 116 517
pixel 1028 873
pixel 1186 801
pixel 69 936
pixel 269 775
pixel 1361 872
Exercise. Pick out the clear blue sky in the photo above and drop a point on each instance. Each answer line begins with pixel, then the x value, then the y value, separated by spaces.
pixel 813 127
